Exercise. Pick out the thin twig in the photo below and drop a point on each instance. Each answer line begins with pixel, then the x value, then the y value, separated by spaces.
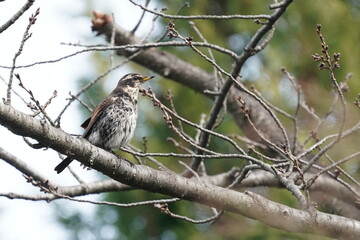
pixel 170 98
pixel 164 208
pixel 26 36
pixel 112 40
pixel 346 133
pixel 243 174
pixel 132 150
pixel 191 170
pixel 40 108
pixel 297 88
pixel 151 29
pixel 140 19
pixel 247 141
pixel 330 64
pixel 90 109
pixel 223 17
pixel 331 166
pixel 176 144
pixel 182 7
pixel 125 205
pixel 16 93
pixel 129 46
pixel 150 94
pixel 263 165
pixel 246 112
pixel 275 108
pixel 43 107
pixel 197 31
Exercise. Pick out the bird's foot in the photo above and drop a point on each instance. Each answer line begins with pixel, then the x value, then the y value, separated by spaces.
pixel 123 159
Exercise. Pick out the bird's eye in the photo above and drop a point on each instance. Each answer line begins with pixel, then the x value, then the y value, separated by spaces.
pixel 131 83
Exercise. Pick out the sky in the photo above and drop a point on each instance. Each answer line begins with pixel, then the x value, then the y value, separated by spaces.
pixel 59 22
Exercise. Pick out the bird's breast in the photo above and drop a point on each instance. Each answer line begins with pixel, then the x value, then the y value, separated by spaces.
pixel 116 126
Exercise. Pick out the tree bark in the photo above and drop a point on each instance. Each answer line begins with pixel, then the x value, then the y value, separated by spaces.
pixel 169 183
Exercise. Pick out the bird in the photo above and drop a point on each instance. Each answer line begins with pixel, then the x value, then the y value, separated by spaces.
pixel 112 123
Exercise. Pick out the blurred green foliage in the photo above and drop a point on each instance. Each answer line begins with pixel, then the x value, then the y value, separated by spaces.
pixel 293 44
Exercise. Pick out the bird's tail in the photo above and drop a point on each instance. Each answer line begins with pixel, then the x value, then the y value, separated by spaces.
pixel 59 168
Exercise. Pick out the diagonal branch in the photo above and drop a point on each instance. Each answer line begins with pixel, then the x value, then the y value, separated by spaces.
pixel 164 182
pixel 17 15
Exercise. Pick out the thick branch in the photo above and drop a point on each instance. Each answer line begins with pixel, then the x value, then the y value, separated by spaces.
pixel 143 177
pixel 321 189
pixel 23 167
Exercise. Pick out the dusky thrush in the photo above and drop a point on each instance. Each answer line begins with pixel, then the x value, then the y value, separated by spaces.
pixel 112 123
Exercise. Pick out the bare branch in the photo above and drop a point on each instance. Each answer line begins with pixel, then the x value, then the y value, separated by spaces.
pixel 130 47
pixel 236 16
pixel 143 177
pixel 26 36
pixel 165 209
pixel 17 15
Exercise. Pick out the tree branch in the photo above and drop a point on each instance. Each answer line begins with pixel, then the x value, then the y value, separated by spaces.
pixel 144 177
pixel 16 16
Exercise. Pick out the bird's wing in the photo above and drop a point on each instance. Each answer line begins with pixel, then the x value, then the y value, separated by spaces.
pixel 89 123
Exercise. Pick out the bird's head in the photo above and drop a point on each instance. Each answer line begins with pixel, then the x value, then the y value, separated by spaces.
pixel 131 82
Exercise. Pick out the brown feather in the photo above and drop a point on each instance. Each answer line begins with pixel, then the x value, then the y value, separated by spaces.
pixel 89 123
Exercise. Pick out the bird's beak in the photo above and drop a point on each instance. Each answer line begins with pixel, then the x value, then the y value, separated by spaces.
pixel 146 78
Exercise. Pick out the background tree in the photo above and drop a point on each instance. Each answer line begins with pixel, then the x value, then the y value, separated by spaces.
pixel 236 137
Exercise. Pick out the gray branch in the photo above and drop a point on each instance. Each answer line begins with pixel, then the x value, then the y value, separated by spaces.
pixel 143 177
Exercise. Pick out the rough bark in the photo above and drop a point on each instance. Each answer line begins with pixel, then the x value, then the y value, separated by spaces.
pixel 169 183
